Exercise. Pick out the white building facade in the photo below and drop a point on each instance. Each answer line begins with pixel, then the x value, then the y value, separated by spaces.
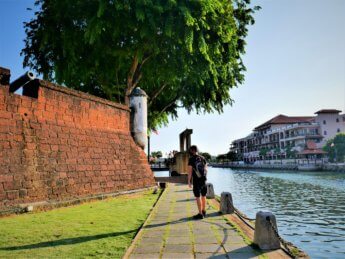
pixel 331 123
pixel 283 134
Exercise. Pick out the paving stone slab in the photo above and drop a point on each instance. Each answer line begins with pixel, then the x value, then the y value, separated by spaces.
pixel 153 233
pixel 172 248
pixel 145 256
pixel 208 248
pixel 210 256
pixel 178 240
pixel 179 219
pixel 202 225
pixel 151 240
pixel 205 239
pixel 180 229
pixel 222 225
pixel 180 233
pixel 163 218
pixel 177 255
pixel 147 249
pixel 160 221
pixel 156 229
pixel 229 232
pixel 242 256
pixel 176 220
pixel 232 239
pixel 238 248
pixel 202 232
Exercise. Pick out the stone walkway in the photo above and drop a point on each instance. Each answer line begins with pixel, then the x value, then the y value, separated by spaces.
pixel 171 233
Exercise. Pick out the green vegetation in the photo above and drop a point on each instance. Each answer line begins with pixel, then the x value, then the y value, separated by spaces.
pixel 97 229
pixel 230 156
pixel 263 152
pixel 206 155
pixel 182 53
pixel 157 154
pixel 335 148
pixel 290 153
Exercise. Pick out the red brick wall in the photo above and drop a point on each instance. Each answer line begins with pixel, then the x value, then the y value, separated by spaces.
pixel 65 144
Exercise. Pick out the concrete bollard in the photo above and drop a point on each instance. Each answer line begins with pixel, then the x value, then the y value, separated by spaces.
pixel 210 191
pixel 264 235
pixel 29 208
pixel 226 205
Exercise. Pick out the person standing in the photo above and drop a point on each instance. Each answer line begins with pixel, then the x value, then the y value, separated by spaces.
pixel 197 170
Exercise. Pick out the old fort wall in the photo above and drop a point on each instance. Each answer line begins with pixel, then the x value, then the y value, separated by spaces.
pixel 62 144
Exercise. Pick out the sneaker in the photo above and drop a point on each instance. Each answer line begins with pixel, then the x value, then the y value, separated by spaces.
pixel 204 213
pixel 198 216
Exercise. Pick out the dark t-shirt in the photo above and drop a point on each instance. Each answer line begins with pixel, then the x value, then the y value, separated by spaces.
pixel 196 179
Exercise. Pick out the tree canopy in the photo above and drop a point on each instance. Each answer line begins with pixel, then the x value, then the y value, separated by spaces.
pixel 157 154
pixel 230 156
pixel 206 155
pixel 335 147
pixel 182 53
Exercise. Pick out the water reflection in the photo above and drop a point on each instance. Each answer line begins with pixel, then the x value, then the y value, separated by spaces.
pixel 310 207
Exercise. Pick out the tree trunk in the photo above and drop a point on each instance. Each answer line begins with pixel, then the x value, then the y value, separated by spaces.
pixel 134 75
pixel 130 78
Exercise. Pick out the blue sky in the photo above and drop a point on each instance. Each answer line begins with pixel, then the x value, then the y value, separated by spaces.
pixel 295 66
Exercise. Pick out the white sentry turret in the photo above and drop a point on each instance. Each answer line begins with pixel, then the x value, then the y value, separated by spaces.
pixel 138 105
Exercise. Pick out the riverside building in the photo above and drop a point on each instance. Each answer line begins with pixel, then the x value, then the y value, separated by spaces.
pixel 281 136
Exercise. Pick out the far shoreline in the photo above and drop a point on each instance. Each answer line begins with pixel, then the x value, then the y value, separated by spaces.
pixel 339 168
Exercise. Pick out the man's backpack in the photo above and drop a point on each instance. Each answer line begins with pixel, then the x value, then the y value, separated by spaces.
pixel 200 167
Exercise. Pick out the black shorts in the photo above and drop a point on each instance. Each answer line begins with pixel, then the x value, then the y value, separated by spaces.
pixel 199 190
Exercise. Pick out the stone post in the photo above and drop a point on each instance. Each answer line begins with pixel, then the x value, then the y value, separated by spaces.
pixel 210 191
pixel 264 235
pixel 226 205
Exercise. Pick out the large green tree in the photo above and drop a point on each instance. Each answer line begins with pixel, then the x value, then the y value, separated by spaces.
pixel 335 147
pixel 182 53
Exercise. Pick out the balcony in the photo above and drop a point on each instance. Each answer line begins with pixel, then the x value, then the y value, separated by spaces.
pixel 299 136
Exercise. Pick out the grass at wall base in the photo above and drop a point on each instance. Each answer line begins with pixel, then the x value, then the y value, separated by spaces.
pixel 102 229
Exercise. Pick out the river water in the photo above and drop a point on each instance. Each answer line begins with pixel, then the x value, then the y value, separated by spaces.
pixel 309 206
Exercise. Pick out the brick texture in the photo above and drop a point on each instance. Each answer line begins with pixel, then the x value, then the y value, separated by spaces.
pixel 65 144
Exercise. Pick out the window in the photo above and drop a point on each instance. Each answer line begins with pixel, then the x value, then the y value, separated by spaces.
pixel 324 122
pixel 325 133
pixel 338 130
pixel 343 118
pixel 337 120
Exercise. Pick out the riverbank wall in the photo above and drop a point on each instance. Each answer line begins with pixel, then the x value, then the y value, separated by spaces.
pixel 59 144
pixel 304 167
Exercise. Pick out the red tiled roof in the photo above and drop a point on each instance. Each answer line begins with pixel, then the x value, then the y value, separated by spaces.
pixel 311 149
pixel 283 119
pixel 312 152
pixel 328 111
pixel 311 145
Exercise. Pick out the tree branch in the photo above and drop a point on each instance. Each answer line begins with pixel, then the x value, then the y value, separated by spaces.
pixel 134 75
pixel 136 81
pixel 157 93
pixel 132 70
pixel 148 56
pixel 130 77
pixel 169 104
